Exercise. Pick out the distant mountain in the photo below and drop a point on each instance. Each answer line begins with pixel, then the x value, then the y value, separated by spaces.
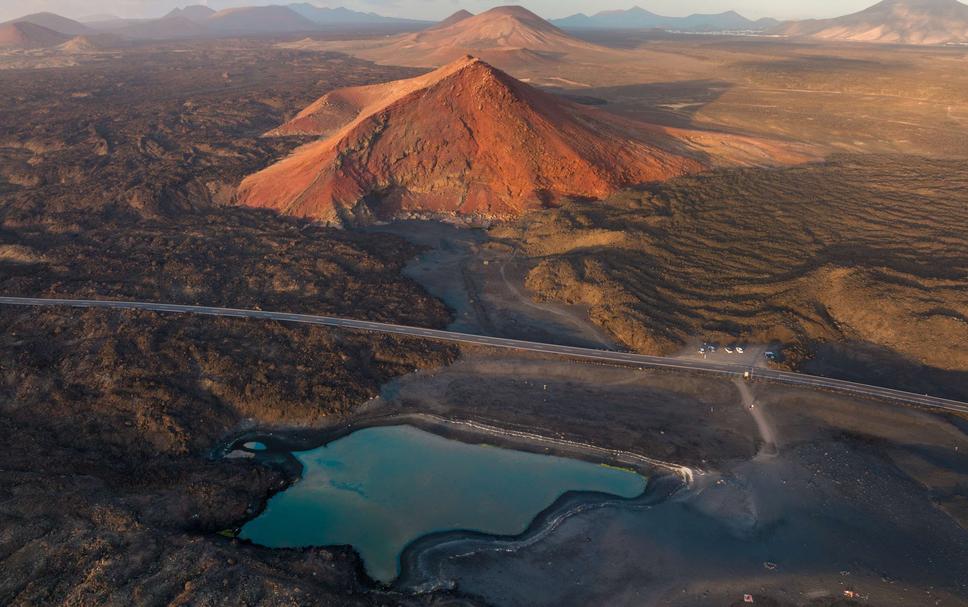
pixel 54 22
pixel 169 27
pixel 639 18
pixel 728 21
pixel 99 18
pixel 196 13
pixel 26 35
pixel 633 18
pixel 108 23
pixel 891 21
pixel 344 16
pixel 259 20
pixel 455 18
pixel 198 21
pixel 506 36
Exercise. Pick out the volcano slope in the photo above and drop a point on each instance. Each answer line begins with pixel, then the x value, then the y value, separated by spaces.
pixel 28 36
pixel 866 255
pixel 467 140
pixel 891 21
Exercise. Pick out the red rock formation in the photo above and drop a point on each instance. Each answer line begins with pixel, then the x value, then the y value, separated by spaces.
pixel 466 139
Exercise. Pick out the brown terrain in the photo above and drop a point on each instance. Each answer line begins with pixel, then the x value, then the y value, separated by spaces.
pixel 183 134
pixel 118 167
pixel 838 97
pixel 863 250
pixel 112 497
pixel 122 410
pixel 466 139
pixel 891 21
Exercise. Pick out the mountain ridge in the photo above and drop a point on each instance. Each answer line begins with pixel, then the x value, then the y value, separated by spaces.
pixel 505 36
pixel 890 21
pixel 640 18
pixel 24 35
pixel 52 21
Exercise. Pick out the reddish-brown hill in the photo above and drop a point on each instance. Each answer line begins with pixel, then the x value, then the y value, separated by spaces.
pixel 507 36
pixel 25 35
pixel 466 139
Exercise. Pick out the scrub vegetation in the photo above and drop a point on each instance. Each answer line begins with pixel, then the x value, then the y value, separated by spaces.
pixel 860 249
pixel 111 175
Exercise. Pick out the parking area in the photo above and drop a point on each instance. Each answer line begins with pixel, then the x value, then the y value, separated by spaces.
pixel 735 352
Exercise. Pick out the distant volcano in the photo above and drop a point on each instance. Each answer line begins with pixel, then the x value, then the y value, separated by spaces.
pixel 504 36
pixel 891 21
pixel 61 25
pixel 466 139
pixel 26 35
pixel 456 17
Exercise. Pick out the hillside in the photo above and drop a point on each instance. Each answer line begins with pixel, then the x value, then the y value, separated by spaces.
pixel 59 24
pixel 801 256
pixel 25 35
pixel 891 21
pixel 466 139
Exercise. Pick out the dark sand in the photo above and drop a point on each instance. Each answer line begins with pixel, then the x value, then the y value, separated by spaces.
pixel 859 496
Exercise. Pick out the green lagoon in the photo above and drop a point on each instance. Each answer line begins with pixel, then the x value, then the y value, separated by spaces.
pixel 378 489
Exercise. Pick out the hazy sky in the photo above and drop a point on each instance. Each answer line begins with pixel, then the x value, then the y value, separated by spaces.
pixel 435 9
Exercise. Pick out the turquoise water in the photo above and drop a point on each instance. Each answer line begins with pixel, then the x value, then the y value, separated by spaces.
pixel 380 488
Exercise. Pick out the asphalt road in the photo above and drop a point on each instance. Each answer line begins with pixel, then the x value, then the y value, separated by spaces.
pixel 640 360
